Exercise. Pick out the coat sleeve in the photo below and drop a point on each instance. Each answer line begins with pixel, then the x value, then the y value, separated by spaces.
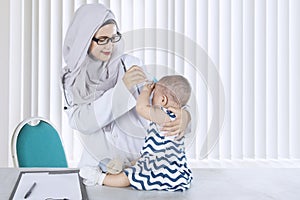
pixel 115 102
pixel 89 118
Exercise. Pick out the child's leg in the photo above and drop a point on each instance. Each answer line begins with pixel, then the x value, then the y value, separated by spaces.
pixel 116 180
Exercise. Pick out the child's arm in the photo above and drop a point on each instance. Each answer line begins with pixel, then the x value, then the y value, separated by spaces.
pixel 143 107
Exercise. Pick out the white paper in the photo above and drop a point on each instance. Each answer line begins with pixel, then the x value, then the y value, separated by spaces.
pixel 58 186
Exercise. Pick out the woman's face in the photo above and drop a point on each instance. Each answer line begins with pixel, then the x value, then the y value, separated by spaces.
pixel 103 52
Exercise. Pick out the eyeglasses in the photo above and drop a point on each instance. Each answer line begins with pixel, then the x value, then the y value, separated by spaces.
pixel 104 40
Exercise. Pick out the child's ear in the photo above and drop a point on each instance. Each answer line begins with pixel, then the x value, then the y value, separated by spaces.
pixel 164 100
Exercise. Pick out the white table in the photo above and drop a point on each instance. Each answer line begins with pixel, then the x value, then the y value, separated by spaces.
pixel 208 184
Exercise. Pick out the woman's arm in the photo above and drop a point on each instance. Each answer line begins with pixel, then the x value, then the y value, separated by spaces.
pixel 89 118
pixel 115 102
pixel 180 125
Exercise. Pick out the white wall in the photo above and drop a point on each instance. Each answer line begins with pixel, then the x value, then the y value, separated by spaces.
pixel 4 81
pixel 253 45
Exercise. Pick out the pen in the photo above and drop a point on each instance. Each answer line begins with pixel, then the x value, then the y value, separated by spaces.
pixel 30 191
pixel 124 67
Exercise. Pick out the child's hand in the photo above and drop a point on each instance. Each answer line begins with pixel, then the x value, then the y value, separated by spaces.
pixel 149 87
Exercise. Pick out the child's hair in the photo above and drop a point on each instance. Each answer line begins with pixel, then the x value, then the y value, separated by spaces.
pixel 176 87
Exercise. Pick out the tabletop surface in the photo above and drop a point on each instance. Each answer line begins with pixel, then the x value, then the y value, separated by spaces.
pixel 217 183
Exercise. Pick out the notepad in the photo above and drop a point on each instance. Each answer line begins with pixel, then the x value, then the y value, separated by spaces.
pixel 53 184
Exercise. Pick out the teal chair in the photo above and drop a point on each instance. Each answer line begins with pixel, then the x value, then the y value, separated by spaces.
pixel 36 143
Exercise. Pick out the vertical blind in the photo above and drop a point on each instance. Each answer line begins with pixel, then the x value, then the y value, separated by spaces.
pixel 241 57
pixel 4 79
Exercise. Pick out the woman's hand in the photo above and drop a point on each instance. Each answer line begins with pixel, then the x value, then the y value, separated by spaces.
pixel 133 76
pixel 178 126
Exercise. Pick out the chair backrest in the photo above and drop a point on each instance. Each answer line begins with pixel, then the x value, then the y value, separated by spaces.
pixel 36 143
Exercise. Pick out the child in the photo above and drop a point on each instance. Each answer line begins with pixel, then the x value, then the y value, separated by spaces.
pixel 162 165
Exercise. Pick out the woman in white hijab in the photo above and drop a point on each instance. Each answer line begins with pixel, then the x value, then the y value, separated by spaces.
pixel 100 92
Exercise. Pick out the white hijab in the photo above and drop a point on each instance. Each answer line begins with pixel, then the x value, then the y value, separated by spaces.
pixel 85 79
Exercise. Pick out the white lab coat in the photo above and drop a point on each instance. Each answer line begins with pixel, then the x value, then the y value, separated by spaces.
pixel 110 126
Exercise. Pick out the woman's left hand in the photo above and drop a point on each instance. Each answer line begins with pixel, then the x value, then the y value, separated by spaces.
pixel 178 126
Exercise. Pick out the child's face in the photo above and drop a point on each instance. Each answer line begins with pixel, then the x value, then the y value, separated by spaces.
pixel 157 95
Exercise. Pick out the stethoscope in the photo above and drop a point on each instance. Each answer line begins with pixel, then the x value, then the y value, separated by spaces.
pixel 64 89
